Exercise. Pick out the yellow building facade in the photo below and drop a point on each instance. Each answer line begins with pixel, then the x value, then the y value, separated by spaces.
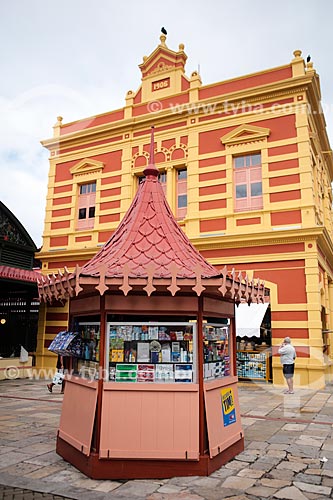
pixel 246 166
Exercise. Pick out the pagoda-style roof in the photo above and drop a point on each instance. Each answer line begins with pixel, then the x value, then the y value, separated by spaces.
pixel 149 234
pixel 149 251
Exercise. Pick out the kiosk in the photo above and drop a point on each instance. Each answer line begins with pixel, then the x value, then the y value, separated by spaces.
pixel 154 391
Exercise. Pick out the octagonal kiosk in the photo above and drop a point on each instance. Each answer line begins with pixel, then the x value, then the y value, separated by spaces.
pixel 154 394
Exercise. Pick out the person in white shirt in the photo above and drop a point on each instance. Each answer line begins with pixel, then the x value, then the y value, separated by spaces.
pixel 287 356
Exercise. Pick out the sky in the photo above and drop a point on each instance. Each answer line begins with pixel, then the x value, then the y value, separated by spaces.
pixel 78 58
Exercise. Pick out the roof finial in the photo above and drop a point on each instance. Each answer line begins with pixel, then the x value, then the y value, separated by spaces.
pixel 151 168
pixel 163 36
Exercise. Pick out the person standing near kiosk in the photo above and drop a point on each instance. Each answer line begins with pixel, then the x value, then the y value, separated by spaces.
pixel 59 377
pixel 287 356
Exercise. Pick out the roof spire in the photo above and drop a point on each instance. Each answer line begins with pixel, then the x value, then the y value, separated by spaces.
pixel 151 168
pixel 151 151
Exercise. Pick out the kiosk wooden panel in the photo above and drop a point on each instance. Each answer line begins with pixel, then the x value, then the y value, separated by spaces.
pixel 77 415
pixel 148 422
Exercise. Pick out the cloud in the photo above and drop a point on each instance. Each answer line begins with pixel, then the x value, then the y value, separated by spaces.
pixel 23 161
pixel 25 196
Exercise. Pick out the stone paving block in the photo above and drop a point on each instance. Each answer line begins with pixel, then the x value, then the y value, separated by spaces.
pixel 310 470
pixel 326 453
pixel 79 493
pixel 239 483
pixel 279 454
pixel 323 432
pixel 327 481
pixel 257 413
pixel 310 441
pixel 314 426
pixel 266 467
pixel 291 466
pixel 38 448
pixel 22 443
pixel 11 458
pixel 248 456
pixel 31 484
pixel 269 459
pixel 278 446
pixel 313 488
pixel 107 486
pixel 21 469
pixel 6 449
pixel 45 472
pixel 252 473
pixel 307 461
pixel 136 489
pixel 223 473
pixel 328 445
pixel 166 496
pixel 257 445
pixel 303 451
pixel 40 460
pixel 221 493
pixel 261 491
pixel 246 422
pixel 69 476
pixel 87 483
pixel 170 489
pixel 211 494
pixel 206 482
pixel 314 496
pixel 308 478
pixel 236 465
pixel 327 472
pixel 182 481
pixel 294 427
pixel 237 497
pixel 275 483
pixel 281 439
pixel 290 493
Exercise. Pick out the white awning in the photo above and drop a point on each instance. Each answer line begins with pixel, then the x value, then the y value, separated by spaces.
pixel 249 319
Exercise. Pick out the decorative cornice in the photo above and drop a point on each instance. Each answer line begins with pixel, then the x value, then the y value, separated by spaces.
pixel 161 68
pixel 261 239
pixel 86 166
pixel 231 288
pixel 253 94
pixel 245 133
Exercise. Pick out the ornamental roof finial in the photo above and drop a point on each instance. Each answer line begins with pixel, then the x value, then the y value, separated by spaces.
pixel 151 168
pixel 163 36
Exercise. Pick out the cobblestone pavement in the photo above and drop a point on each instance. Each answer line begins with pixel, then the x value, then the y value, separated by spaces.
pixel 288 451
pixel 9 493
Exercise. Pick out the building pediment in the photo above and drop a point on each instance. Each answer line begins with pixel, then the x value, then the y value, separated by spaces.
pixel 245 133
pixel 86 166
pixel 162 60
